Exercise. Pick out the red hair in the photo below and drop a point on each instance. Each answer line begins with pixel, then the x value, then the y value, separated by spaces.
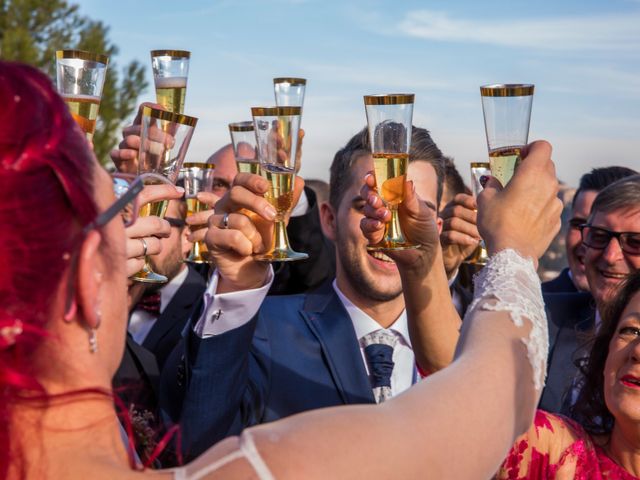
pixel 46 196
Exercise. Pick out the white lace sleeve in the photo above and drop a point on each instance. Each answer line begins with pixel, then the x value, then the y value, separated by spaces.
pixel 509 283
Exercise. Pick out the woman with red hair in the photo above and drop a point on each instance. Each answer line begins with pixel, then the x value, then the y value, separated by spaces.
pixel 63 313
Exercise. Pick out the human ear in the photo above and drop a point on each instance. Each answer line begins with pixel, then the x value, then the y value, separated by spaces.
pixel 89 279
pixel 328 220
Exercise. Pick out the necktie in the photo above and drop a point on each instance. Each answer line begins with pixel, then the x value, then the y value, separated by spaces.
pixel 150 302
pixel 378 349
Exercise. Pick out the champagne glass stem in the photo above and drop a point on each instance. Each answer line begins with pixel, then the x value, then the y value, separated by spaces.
pixel 393 237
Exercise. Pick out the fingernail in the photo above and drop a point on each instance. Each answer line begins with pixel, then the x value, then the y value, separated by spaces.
pixel 378 224
pixel 483 180
pixel 180 189
pixel 270 212
pixel 371 200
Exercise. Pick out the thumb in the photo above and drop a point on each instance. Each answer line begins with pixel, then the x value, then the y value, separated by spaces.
pixel 411 202
pixel 491 188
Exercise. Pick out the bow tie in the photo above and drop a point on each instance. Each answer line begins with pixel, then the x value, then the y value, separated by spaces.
pixel 150 302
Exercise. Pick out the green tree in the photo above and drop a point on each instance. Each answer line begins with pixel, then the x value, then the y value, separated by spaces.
pixel 32 30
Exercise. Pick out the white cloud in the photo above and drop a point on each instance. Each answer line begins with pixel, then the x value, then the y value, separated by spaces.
pixel 612 32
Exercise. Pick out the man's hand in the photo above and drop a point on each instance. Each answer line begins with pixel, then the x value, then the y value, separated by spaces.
pixel 459 237
pixel 417 220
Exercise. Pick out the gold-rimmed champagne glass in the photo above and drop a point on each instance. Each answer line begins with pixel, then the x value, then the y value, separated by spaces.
pixel 243 139
pixel 389 119
pixel 478 169
pixel 164 141
pixel 170 73
pixel 197 177
pixel 80 78
pixel 507 113
pixel 289 91
pixel 276 130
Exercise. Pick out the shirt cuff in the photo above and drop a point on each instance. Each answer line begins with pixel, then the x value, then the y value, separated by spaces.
pixel 226 311
pixel 302 207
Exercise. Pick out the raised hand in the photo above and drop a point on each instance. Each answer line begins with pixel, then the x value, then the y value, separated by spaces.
pixel 525 215
pixel 459 237
pixel 241 227
pixel 417 221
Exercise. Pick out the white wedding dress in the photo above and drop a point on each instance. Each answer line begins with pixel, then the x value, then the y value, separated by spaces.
pixel 508 283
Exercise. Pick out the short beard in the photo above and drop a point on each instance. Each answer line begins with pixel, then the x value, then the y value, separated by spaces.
pixel 357 278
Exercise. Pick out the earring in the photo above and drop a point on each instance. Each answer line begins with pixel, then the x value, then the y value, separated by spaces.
pixel 93 340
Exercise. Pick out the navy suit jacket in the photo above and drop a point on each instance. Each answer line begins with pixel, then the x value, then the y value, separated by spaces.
pixel 167 331
pixel 571 319
pixel 561 284
pixel 299 353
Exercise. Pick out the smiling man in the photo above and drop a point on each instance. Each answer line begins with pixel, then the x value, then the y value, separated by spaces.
pixel 345 342
pixel 611 238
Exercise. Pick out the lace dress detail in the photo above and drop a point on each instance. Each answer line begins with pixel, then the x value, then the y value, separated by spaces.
pixel 509 283
pixel 247 450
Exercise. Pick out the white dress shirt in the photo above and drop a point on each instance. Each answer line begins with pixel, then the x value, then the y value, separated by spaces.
pixel 404 369
pixel 141 322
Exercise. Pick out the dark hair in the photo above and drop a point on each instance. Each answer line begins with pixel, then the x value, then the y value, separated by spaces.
pixel 600 178
pixel 590 408
pixel 422 148
pixel 453 180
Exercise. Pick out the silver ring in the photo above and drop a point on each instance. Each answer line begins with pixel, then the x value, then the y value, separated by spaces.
pixel 144 247
pixel 225 221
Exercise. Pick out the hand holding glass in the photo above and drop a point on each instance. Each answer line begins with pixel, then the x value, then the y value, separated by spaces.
pixel 389 118
pixel 80 77
pixel 276 130
pixel 164 141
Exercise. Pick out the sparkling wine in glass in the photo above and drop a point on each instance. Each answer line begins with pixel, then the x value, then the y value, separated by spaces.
pixel 164 141
pixel 170 73
pixel 80 78
pixel 243 139
pixel 507 114
pixel 276 131
pixel 197 177
pixel 389 120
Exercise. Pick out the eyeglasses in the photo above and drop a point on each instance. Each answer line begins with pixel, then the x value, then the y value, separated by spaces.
pixel 175 222
pixel 599 238
pixel 126 189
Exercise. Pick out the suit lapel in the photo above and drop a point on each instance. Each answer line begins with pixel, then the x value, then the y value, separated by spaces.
pixel 329 321
pixel 177 311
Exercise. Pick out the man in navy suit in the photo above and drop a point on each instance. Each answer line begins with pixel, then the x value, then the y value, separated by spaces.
pixel 247 364
pixel 573 279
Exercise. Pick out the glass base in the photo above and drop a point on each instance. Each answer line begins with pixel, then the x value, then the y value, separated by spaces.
pixel 391 245
pixel 479 256
pixel 281 256
pixel 197 261
pixel 146 275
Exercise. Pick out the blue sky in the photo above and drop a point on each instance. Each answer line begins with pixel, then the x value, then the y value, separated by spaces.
pixel 583 56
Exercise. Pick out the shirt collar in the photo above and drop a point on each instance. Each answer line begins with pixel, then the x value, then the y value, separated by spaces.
pixel 169 290
pixel 364 324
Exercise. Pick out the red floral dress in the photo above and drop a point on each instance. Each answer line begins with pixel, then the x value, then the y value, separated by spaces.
pixel 556 447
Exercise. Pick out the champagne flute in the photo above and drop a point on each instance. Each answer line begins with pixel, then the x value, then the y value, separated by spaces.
pixel 164 141
pixel 389 119
pixel 289 92
pixel 197 177
pixel 276 130
pixel 478 169
pixel 243 139
pixel 507 114
pixel 170 72
pixel 80 78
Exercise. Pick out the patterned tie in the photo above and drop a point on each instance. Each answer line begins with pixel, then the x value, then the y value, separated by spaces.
pixel 150 302
pixel 378 349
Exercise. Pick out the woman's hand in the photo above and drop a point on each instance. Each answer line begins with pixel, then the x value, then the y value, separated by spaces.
pixel 525 215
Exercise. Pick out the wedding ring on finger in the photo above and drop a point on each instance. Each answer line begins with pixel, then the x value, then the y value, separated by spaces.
pixel 144 247
pixel 225 221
